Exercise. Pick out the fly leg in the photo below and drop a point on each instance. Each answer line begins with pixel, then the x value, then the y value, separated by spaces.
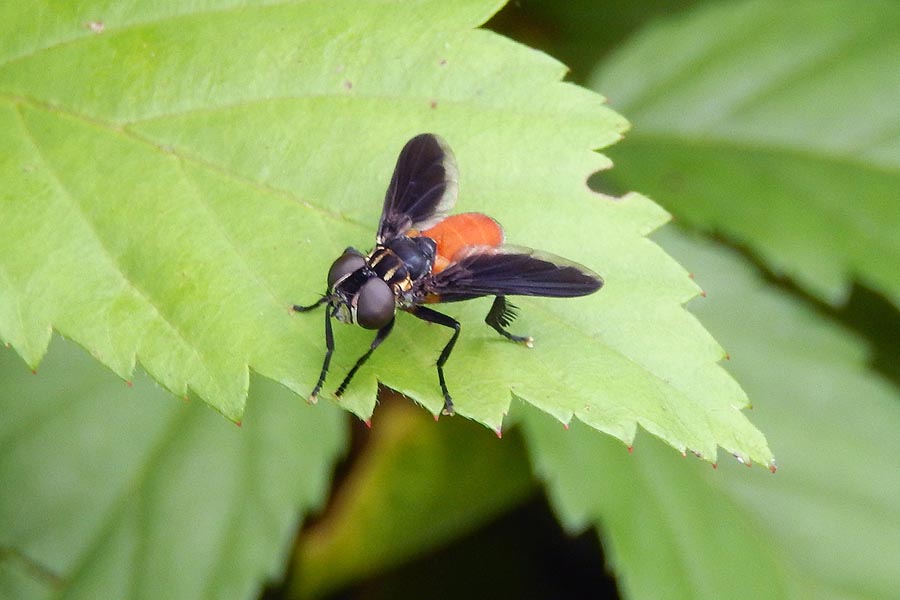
pixel 432 316
pixel 329 346
pixel 379 337
pixel 501 315
pixel 317 304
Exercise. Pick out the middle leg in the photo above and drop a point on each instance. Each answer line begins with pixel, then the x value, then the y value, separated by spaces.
pixel 433 316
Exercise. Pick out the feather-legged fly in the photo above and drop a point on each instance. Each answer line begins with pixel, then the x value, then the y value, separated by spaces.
pixel 423 256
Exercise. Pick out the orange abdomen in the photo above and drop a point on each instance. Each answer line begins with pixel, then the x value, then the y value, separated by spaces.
pixel 460 231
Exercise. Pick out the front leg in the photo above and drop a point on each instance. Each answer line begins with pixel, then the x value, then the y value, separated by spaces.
pixel 317 304
pixel 379 337
pixel 433 316
pixel 329 350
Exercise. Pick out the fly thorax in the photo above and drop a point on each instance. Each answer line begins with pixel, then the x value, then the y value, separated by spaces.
pixel 416 254
pixel 388 266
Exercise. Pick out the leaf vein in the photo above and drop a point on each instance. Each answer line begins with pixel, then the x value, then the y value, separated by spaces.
pixel 236 249
pixel 88 34
pixel 64 192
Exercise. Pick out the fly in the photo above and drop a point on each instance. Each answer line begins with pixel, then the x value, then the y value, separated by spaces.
pixel 422 256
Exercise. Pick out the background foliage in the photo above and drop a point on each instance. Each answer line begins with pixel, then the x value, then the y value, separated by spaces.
pixel 770 128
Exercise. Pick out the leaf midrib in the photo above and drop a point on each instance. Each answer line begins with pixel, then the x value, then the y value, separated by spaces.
pixel 125 132
pixel 885 240
pixel 715 140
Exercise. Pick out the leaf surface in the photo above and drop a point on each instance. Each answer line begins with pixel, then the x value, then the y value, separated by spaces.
pixel 178 176
pixel 823 526
pixel 776 125
pixel 127 493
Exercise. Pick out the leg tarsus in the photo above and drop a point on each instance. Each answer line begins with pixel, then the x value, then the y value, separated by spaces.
pixel 501 315
pixel 448 409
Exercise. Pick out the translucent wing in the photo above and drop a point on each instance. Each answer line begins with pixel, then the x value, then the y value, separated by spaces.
pixel 423 188
pixel 508 271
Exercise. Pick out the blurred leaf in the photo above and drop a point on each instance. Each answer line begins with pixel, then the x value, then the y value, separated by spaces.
pixel 777 124
pixel 146 497
pixel 20 578
pixel 825 525
pixel 579 32
pixel 177 176
pixel 417 486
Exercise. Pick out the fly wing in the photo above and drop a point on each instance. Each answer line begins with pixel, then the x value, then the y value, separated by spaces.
pixel 423 188
pixel 508 271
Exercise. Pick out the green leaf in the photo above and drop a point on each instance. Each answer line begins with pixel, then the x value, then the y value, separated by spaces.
pixel 577 32
pixel 415 487
pixel 823 526
pixel 175 178
pixel 777 125
pixel 119 493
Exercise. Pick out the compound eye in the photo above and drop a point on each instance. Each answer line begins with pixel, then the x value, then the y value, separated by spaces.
pixel 375 304
pixel 349 261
